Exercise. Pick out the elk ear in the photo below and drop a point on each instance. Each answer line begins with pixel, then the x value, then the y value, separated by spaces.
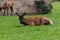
pixel 17 14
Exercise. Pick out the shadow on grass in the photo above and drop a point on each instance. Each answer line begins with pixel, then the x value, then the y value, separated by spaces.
pixel 27 26
pixel 21 26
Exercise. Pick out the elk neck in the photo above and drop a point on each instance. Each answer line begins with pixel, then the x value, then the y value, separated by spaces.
pixel 21 20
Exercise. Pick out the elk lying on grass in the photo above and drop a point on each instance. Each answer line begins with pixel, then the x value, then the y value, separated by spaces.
pixel 33 21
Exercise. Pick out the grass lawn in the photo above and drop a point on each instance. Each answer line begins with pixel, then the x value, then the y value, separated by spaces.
pixel 11 29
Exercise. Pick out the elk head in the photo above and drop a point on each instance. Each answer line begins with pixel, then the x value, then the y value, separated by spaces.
pixel 21 15
pixel 21 18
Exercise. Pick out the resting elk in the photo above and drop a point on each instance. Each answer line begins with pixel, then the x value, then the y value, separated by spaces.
pixel 34 21
pixel 8 4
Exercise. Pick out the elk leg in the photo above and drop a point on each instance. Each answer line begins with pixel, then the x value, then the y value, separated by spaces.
pixel 32 24
pixel 7 11
pixel 41 22
pixel 11 8
pixel 4 11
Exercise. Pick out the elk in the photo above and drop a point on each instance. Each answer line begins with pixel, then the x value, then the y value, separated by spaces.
pixel 6 6
pixel 33 21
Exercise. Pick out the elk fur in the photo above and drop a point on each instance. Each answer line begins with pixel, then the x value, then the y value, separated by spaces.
pixel 33 21
pixel 8 4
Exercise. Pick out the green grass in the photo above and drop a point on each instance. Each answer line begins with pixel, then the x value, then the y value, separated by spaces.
pixel 11 29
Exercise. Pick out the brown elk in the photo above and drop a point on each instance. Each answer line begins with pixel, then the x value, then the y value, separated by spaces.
pixel 6 6
pixel 33 21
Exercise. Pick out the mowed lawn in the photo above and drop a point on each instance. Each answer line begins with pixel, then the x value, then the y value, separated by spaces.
pixel 11 29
